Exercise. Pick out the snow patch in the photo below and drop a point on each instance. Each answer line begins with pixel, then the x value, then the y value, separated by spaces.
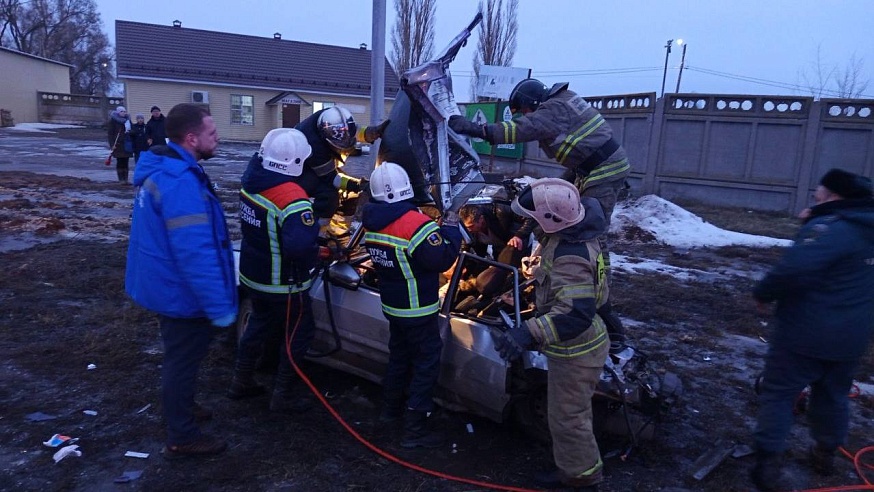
pixel 39 127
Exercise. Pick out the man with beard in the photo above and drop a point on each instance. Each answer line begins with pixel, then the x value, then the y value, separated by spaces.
pixel 180 265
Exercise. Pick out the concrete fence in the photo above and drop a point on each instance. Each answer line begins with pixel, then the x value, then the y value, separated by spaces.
pixel 757 152
pixel 72 109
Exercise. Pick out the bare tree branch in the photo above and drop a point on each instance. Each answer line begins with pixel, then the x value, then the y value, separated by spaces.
pixel 412 37
pixel 497 36
pixel 821 79
pixel 69 31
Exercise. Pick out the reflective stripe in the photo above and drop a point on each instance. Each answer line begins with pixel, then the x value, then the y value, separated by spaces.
pixel 583 348
pixel 325 168
pixel 277 289
pixel 152 188
pixel 591 471
pixel 411 312
pixel 574 138
pixel 275 251
pixel 607 171
pixel 298 206
pixel 509 128
pixel 186 220
pixel 576 291
pixel 422 234
pixel 402 251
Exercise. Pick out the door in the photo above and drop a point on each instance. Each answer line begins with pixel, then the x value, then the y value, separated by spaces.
pixel 290 115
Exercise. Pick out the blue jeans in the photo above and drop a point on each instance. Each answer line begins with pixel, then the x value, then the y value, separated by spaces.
pixel 415 345
pixel 270 315
pixel 786 375
pixel 186 343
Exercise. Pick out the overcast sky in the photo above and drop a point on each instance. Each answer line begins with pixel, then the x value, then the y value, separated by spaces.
pixel 573 40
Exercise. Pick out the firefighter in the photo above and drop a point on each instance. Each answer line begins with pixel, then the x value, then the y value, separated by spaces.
pixel 277 253
pixel 408 250
pixel 332 134
pixel 571 131
pixel 570 288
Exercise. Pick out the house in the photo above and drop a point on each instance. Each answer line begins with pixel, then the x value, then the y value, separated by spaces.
pixel 22 76
pixel 251 84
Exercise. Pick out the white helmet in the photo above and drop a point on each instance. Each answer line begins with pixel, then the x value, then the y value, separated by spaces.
pixel 554 203
pixel 284 150
pixel 390 183
pixel 338 127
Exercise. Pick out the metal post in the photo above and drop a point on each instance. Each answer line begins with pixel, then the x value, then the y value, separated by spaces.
pixel 377 63
pixel 665 73
pixel 682 64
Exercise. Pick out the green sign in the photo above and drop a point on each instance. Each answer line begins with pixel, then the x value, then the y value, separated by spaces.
pixel 485 113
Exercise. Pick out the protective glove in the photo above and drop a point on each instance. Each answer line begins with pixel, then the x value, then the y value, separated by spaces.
pixel 344 182
pixel 371 133
pixel 460 124
pixel 511 343
pixel 225 321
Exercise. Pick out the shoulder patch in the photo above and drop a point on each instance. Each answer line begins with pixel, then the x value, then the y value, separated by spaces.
pixel 435 239
pixel 307 218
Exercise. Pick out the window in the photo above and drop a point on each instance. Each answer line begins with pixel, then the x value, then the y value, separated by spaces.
pixel 242 110
pixel 320 105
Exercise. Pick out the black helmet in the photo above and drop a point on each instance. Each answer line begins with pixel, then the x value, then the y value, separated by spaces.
pixel 338 128
pixel 528 94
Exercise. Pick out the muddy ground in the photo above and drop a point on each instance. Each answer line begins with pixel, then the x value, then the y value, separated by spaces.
pixel 64 224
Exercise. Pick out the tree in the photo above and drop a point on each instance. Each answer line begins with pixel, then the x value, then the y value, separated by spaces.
pixel 68 31
pixel 822 79
pixel 497 36
pixel 412 38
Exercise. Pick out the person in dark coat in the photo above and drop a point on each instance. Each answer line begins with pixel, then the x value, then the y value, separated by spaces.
pixel 824 290
pixel 155 133
pixel 138 137
pixel 118 129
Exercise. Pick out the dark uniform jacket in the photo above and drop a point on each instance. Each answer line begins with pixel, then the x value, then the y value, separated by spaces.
pixel 573 133
pixel 824 284
pixel 279 233
pixel 138 137
pixel 320 168
pixel 408 250
pixel 571 286
pixel 155 130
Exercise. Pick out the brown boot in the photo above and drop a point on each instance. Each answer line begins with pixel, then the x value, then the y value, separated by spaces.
pixel 202 446
pixel 243 385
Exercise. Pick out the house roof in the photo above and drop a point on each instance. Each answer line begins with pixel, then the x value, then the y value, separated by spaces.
pixel 44 59
pixel 194 55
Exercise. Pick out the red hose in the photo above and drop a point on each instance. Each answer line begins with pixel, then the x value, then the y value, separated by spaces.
pixel 354 433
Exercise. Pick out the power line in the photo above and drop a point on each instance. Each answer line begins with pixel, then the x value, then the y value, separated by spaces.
pixel 766 82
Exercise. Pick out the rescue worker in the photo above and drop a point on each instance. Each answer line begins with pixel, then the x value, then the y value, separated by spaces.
pixel 408 250
pixel 276 255
pixel 570 287
pixel 571 131
pixel 332 133
pixel 824 290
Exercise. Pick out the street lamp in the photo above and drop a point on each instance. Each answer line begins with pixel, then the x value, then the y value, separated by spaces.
pixel 682 63
pixel 665 73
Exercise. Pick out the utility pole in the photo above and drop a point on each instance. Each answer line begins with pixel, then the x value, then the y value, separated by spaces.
pixel 377 63
pixel 682 64
pixel 665 73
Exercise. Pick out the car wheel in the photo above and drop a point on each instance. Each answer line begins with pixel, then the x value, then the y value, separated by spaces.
pixel 530 413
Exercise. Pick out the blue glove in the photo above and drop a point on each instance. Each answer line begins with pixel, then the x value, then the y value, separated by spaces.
pixel 225 321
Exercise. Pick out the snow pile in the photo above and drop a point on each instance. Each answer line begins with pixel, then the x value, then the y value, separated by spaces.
pixel 675 226
pixel 39 127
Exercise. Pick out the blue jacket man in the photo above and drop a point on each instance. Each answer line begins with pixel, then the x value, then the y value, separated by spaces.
pixel 824 289
pixel 277 253
pixel 180 265
pixel 408 251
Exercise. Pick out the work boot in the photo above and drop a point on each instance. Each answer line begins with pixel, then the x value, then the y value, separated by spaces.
pixel 555 479
pixel 392 411
pixel 243 385
pixel 202 446
pixel 417 432
pixel 766 472
pixel 822 460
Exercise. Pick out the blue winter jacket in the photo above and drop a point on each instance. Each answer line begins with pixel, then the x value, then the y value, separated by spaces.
pixel 824 284
pixel 180 262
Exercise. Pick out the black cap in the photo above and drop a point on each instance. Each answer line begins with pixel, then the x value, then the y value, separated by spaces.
pixel 154 108
pixel 846 184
